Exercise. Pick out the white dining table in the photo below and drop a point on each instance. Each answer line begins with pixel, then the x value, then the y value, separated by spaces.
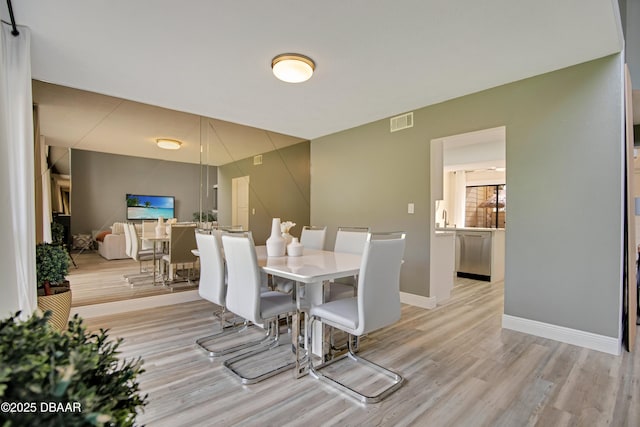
pixel 310 272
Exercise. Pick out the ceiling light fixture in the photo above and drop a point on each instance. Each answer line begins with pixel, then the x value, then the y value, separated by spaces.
pixel 168 144
pixel 293 67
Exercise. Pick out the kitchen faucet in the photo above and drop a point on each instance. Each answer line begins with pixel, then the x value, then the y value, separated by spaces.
pixel 444 216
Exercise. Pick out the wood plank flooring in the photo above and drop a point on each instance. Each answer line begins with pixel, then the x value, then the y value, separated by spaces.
pixel 97 280
pixel 461 368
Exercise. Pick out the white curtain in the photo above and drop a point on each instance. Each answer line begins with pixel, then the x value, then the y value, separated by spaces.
pixel 17 214
pixel 46 207
pixel 46 192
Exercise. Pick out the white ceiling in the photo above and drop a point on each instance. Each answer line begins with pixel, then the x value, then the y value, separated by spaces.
pixel 480 150
pixel 375 58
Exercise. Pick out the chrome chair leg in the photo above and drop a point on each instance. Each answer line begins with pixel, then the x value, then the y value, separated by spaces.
pixel 397 380
pixel 337 350
pixel 230 330
pixel 222 318
pixel 136 278
pixel 274 343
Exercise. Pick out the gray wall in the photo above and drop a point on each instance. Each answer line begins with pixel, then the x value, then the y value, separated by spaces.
pixel 630 16
pixel 279 188
pixel 564 168
pixel 100 181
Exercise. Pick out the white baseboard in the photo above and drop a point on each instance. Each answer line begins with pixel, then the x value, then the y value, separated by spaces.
pixel 560 333
pixel 417 300
pixel 134 304
pixel 117 307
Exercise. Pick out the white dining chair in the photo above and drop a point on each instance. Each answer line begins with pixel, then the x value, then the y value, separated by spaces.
pixel 130 277
pixel 137 253
pixel 127 240
pixel 350 240
pixel 376 306
pixel 246 298
pixel 213 287
pixel 313 237
pixel 148 228
pixel 182 241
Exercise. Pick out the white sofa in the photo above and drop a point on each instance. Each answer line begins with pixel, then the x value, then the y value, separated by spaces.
pixel 113 245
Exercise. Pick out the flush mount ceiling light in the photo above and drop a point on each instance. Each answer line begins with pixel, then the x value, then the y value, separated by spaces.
pixel 168 144
pixel 293 67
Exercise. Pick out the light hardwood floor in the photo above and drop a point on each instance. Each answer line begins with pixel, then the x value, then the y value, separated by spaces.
pixel 96 280
pixel 462 369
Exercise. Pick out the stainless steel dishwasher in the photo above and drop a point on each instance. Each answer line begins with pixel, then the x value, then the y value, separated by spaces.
pixel 473 254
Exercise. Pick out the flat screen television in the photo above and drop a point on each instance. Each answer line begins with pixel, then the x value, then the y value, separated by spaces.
pixel 140 206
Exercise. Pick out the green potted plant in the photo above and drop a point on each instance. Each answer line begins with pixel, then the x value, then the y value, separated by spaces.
pixel 54 293
pixel 65 378
pixel 57 233
pixel 206 216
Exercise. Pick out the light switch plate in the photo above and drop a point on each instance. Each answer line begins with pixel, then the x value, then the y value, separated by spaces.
pixel 410 208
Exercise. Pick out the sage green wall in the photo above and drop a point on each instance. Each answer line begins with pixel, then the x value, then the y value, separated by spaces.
pixel 564 168
pixel 630 18
pixel 278 188
pixel 366 177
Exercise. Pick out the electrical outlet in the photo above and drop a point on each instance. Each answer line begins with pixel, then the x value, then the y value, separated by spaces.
pixel 411 208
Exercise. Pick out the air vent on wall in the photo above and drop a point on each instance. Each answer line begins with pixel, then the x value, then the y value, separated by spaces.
pixel 402 122
pixel 257 160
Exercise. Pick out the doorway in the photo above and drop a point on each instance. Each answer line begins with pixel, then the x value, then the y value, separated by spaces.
pixel 240 202
pixel 472 159
pixel 459 164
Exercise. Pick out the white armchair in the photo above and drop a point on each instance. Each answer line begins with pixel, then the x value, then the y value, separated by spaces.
pixel 113 246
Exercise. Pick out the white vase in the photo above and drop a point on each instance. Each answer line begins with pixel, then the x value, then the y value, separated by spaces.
pixel 160 230
pixel 287 238
pixel 294 248
pixel 276 245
